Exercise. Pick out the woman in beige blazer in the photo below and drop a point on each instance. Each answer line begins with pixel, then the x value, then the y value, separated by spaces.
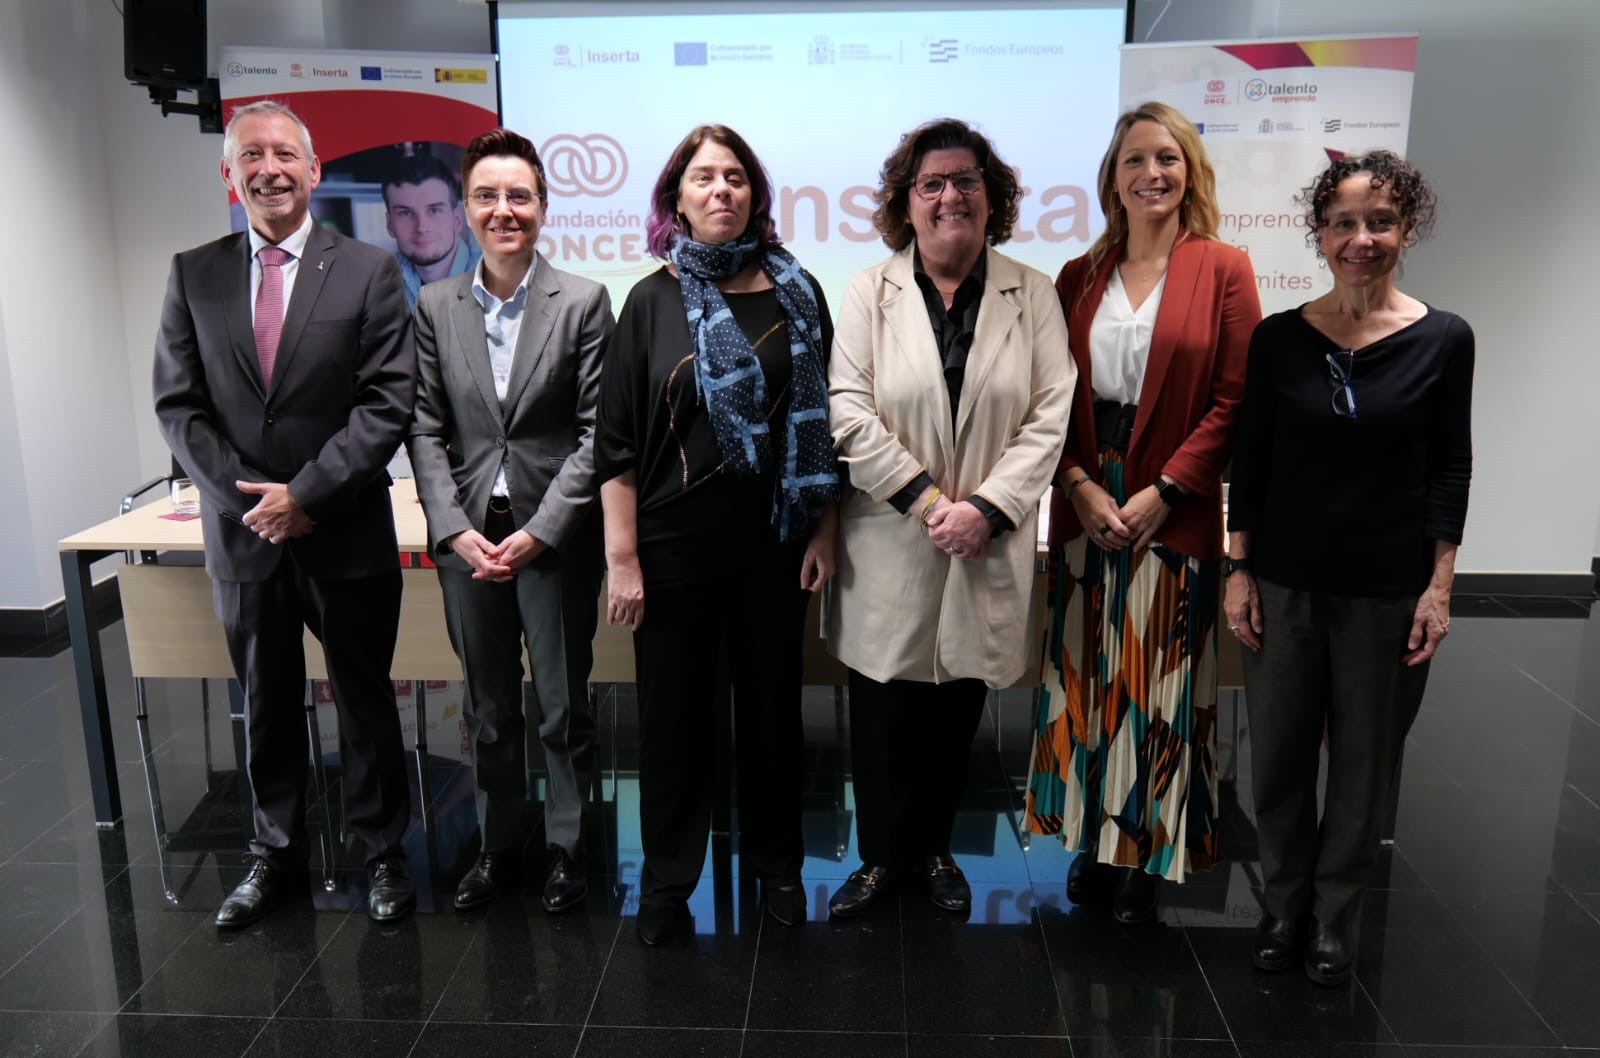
pixel 949 386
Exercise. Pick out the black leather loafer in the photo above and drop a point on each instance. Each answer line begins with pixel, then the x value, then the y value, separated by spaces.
pixel 566 883
pixel 785 901
pixel 658 922
pixel 493 872
pixel 860 891
pixel 1134 902
pixel 1277 943
pixel 1329 955
pixel 947 886
pixel 264 888
pixel 390 894
pixel 1089 881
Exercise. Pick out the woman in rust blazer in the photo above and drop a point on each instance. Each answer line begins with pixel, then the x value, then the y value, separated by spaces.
pixel 1159 316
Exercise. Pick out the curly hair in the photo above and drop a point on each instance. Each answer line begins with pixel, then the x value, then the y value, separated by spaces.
pixel 503 143
pixel 1198 212
pixel 893 218
pixel 1410 191
pixel 664 225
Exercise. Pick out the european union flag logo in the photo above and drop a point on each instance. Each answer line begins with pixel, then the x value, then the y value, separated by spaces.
pixel 372 73
pixel 689 54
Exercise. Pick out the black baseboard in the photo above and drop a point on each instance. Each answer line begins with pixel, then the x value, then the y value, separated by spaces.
pixel 20 625
pixel 1556 585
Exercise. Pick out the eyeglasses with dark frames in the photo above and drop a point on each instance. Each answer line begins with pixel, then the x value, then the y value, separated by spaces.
pixel 931 185
pixel 1340 366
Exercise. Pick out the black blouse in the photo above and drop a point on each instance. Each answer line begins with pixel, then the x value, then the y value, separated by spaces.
pixel 695 517
pixel 1353 505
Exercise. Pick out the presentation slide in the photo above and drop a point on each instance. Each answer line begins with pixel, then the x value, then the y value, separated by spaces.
pixel 822 96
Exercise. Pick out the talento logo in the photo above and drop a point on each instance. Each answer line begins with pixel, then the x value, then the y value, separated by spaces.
pixel 584 165
pixel 1255 89
pixel 236 69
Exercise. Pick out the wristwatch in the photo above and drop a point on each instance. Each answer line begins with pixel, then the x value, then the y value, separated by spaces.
pixel 1230 566
pixel 1170 493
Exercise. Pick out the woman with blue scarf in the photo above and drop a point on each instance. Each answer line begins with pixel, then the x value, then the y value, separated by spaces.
pixel 719 489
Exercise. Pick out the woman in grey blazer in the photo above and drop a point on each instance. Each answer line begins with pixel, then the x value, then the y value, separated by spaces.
pixel 503 450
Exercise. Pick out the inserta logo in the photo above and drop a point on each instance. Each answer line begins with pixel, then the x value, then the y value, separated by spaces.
pixel 584 165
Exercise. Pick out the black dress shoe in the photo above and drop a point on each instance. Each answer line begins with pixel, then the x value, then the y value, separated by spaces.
pixel 1329 955
pixel 264 888
pixel 860 891
pixel 785 901
pixel 493 872
pixel 566 882
pixel 1277 942
pixel 1090 881
pixel 947 886
pixel 390 894
pixel 658 922
pixel 1134 902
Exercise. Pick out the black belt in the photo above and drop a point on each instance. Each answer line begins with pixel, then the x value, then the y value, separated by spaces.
pixel 498 522
pixel 1113 424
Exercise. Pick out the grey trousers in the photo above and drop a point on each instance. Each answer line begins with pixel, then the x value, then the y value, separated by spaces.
pixel 1327 663
pixel 555 610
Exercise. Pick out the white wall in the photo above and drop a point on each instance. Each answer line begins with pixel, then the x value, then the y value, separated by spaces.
pixel 1504 123
pixel 62 316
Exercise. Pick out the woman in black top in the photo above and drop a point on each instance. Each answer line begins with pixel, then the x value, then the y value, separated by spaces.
pixel 1350 475
pixel 719 488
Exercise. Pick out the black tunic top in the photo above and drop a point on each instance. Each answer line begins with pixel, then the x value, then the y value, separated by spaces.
pixel 1348 505
pixel 696 518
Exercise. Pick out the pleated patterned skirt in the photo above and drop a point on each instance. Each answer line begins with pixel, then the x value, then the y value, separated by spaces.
pixel 1124 759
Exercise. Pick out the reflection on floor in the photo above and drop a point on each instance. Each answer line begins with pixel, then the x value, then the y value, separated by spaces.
pixel 1481 936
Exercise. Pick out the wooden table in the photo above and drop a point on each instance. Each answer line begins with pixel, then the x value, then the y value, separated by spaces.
pixel 173 631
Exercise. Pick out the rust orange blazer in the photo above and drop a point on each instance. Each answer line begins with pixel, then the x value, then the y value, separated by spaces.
pixel 1189 399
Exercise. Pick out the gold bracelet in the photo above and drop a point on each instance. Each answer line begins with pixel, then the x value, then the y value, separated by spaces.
pixel 926 507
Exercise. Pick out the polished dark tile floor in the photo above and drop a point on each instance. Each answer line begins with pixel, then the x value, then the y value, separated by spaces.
pixel 1481 936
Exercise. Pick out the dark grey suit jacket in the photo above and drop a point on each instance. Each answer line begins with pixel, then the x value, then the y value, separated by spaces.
pixel 341 396
pixel 544 431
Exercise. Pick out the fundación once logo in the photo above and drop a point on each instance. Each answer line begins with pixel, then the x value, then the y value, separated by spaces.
pixel 584 165
pixel 1255 89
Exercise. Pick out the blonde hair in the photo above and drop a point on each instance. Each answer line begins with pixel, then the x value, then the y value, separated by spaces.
pixel 1197 212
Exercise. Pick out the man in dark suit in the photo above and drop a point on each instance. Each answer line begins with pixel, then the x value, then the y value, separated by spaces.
pixel 503 448
pixel 284 381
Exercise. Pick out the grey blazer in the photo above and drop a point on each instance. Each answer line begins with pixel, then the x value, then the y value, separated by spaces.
pixel 544 431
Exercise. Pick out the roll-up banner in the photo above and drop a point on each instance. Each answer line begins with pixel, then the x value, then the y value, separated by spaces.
pixel 390 129
pixel 1271 114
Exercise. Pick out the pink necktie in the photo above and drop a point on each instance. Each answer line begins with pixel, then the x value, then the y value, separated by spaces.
pixel 269 309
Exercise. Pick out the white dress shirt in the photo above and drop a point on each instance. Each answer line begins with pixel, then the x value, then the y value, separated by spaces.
pixel 294 246
pixel 1119 341
pixel 502 323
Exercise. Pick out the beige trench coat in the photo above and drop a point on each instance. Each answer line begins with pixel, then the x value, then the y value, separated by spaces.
pixel 899 607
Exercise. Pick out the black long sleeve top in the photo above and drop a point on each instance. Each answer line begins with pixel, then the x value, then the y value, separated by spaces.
pixel 695 518
pixel 1353 505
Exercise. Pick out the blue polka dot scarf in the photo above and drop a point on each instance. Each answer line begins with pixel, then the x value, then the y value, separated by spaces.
pixel 730 381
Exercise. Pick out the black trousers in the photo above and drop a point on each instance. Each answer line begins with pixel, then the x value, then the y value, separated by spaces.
pixel 1327 663
pixel 755 620
pixel 910 743
pixel 357 621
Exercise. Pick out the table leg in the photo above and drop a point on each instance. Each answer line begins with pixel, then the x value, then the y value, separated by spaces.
pixel 91 673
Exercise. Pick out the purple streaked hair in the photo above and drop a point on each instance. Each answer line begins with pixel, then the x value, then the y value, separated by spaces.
pixel 663 227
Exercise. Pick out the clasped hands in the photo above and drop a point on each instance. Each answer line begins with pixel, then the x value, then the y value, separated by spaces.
pixel 1111 527
pixel 497 562
pixel 276 517
pixel 957 528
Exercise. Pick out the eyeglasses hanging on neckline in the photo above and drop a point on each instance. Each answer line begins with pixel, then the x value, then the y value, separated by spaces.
pixel 1344 395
